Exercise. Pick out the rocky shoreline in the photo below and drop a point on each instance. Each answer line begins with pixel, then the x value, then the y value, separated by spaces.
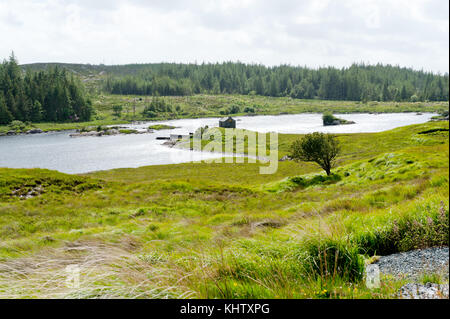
pixel 31 131
pixel 109 131
pixel 340 122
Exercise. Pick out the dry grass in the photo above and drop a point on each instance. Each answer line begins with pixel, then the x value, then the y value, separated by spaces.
pixel 105 271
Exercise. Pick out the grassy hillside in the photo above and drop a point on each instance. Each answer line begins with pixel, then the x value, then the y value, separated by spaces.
pixel 222 230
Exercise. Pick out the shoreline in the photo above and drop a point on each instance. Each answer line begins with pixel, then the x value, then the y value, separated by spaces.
pixel 177 145
pixel 112 123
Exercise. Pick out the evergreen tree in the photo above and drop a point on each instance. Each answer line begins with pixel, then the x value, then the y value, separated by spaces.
pixel 5 115
pixel 49 95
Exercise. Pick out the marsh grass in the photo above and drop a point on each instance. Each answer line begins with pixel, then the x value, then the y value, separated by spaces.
pixel 105 271
pixel 223 230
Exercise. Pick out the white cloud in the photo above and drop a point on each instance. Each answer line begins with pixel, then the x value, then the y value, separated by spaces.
pixel 412 33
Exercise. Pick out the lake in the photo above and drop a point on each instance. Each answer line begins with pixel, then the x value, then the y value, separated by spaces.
pixel 59 151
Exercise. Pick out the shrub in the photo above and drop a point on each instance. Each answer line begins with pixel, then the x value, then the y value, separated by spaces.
pixel 117 110
pixel 318 179
pixel 328 118
pixel 414 98
pixel 149 114
pixel 17 126
pixel 234 109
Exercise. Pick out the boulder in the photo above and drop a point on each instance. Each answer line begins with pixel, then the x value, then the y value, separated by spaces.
pixel 35 131
pixel 91 133
pixel 336 122
pixel 267 223
pixel 112 131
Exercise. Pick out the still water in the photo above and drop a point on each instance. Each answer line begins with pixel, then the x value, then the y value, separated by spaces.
pixel 61 152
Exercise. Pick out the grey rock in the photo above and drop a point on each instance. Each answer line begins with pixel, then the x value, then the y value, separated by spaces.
pixel 170 143
pixel 420 291
pixel 35 131
pixel 91 133
pixel 267 223
pixel 415 263
pixel 112 131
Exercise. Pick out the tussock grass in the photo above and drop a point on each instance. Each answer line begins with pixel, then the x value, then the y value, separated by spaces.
pixel 331 258
pixel 105 271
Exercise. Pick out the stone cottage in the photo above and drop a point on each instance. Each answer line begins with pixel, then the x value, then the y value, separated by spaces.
pixel 227 122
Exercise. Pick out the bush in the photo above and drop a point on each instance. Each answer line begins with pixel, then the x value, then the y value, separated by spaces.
pixel 17 126
pixel 149 114
pixel 414 98
pixel 117 110
pixel 318 179
pixel 330 258
pixel 328 118
pixel 234 109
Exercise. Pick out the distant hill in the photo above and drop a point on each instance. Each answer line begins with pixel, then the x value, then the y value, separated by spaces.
pixel 100 69
pixel 82 69
pixel 359 82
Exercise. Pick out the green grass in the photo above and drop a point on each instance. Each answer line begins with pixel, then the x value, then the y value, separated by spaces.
pixel 202 230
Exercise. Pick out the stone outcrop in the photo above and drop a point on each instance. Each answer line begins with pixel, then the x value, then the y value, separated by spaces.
pixel 35 131
pixel 339 122
pixel 108 132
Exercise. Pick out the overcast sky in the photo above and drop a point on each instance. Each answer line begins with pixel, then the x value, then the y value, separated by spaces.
pixel 411 33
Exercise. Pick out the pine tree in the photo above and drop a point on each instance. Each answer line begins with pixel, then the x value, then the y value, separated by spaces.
pixel 5 116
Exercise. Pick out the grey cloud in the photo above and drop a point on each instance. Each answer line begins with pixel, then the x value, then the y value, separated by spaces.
pixel 271 32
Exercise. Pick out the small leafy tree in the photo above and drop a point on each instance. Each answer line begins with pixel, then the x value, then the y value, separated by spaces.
pixel 117 110
pixel 316 147
pixel 414 98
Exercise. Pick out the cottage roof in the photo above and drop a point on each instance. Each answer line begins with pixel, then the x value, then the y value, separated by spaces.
pixel 223 119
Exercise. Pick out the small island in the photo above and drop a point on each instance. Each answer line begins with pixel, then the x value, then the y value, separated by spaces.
pixel 329 119
pixel 158 127
pixel 107 130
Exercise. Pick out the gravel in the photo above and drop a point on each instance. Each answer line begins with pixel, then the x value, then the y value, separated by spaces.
pixel 415 263
pixel 427 291
pixel 412 265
